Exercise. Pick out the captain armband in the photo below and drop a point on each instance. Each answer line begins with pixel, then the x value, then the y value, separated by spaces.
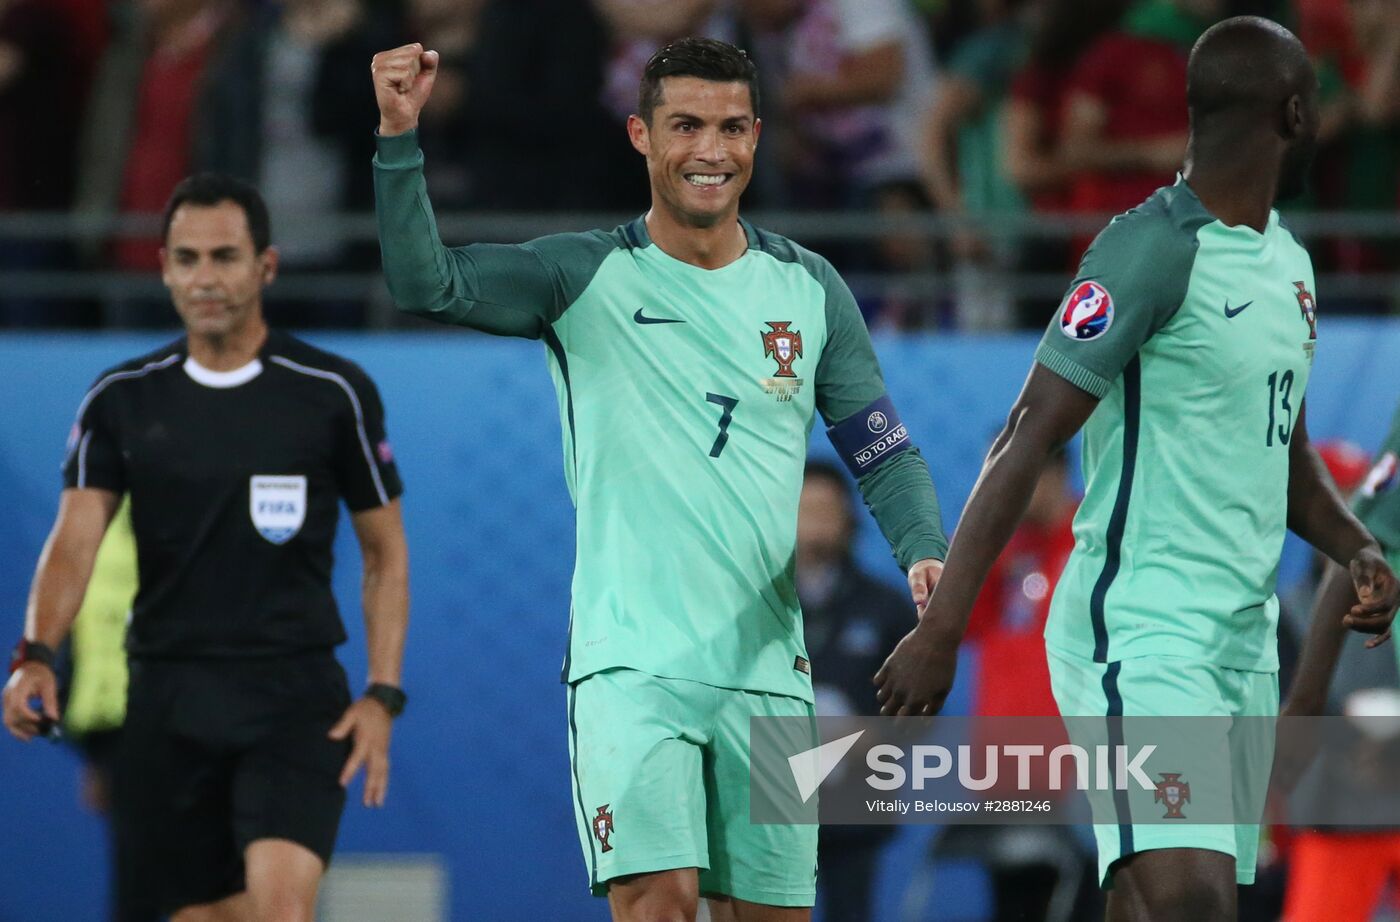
pixel 870 437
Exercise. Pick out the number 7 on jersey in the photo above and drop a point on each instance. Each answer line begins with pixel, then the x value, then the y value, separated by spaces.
pixel 725 418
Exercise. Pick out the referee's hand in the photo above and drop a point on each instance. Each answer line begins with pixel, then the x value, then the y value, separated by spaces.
pixel 368 725
pixel 403 81
pixel 28 682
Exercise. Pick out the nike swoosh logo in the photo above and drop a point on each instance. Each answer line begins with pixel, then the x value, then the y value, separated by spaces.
pixel 1231 313
pixel 641 318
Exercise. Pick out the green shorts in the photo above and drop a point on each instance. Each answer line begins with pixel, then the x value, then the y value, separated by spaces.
pixel 1174 686
pixel 661 781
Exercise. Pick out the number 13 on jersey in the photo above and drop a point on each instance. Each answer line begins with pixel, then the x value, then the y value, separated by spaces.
pixel 1280 422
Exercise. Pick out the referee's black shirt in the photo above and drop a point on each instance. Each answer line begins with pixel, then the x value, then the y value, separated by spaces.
pixel 235 479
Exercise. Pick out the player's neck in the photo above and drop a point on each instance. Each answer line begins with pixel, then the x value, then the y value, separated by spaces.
pixel 712 247
pixel 229 351
pixel 1238 189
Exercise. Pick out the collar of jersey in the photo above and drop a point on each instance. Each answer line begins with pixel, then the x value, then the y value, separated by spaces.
pixel 222 379
pixel 1243 232
pixel 638 230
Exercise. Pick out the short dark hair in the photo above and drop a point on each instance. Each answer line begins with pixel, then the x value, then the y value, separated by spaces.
pixel 210 189
pixel 1246 65
pixel 706 58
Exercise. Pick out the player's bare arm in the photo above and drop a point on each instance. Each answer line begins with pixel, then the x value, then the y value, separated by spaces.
pixel 385 601
pixel 403 81
pixel 60 582
pixel 919 673
pixel 1326 633
pixel 1307 696
pixel 1317 514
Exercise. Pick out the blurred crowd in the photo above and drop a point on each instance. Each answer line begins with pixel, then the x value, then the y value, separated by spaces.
pixel 989 113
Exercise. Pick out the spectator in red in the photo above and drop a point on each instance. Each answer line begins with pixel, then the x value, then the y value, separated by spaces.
pixel 1060 33
pixel 1125 117
pixel 1370 157
pixel 139 130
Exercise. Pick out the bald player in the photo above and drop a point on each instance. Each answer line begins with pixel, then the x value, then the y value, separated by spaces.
pixel 1182 350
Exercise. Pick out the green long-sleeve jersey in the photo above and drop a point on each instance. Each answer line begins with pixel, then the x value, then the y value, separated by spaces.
pixel 686 398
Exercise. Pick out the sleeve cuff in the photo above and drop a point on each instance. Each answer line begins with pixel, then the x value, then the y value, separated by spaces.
pixel 926 548
pixel 1076 374
pixel 399 152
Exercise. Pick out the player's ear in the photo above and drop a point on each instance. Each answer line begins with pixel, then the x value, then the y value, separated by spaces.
pixel 639 134
pixel 757 130
pixel 1294 118
pixel 268 259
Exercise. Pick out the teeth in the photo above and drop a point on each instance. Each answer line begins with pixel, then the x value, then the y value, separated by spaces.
pixel 700 179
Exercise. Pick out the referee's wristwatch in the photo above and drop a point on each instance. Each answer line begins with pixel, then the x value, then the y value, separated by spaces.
pixel 391 696
pixel 31 651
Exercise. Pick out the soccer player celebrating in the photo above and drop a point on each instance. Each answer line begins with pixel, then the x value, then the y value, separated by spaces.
pixel 1183 350
pixel 690 350
pixel 235 444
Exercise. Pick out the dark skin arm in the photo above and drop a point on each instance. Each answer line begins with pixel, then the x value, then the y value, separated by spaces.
pixel 1298 741
pixel 1318 515
pixel 917 676
pixel 1326 634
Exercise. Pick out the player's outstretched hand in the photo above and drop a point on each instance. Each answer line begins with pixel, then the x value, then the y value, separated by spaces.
pixel 1377 593
pixel 403 81
pixel 29 682
pixel 368 725
pixel 923 576
pixel 916 678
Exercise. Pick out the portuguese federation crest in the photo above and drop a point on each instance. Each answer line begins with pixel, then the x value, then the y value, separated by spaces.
pixel 1308 306
pixel 784 346
pixel 1173 792
pixel 603 826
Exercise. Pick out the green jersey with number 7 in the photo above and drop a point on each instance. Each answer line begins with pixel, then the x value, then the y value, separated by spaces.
pixel 686 397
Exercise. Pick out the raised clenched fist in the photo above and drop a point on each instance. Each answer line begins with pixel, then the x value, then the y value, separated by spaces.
pixel 403 81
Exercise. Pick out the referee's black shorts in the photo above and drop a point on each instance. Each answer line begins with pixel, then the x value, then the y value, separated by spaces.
pixel 216 754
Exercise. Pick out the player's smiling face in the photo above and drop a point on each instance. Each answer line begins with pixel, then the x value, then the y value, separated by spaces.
pixel 699 147
pixel 212 269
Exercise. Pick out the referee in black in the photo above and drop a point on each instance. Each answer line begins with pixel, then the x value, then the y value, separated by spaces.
pixel 236 444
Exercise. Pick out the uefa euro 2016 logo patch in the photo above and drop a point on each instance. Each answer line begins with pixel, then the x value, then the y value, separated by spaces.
pixel 1088 312
pixel 1382 476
